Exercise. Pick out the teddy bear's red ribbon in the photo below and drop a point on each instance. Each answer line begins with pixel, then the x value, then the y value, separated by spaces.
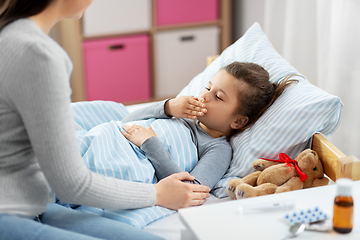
pixel 284 158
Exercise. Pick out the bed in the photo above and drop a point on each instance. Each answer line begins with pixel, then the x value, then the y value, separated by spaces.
pixel 336 165
pixel 301 118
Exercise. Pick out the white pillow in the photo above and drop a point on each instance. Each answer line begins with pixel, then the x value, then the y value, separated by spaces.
pixel 301 111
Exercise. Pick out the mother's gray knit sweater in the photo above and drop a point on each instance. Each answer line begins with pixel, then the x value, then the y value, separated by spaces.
pixel 38 146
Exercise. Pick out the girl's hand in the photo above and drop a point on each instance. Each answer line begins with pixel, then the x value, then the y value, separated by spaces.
pixel 137 134
pixel 185 107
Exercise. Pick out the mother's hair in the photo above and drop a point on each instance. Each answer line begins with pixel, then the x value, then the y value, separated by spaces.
pixel 12 10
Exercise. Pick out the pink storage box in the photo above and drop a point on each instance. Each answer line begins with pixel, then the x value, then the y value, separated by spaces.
pixel 118 69
pixel 171 12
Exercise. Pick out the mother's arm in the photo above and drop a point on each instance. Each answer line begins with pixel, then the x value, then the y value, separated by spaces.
pixel 42 99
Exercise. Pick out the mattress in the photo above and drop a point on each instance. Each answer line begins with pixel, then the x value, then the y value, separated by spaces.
pixel 171 227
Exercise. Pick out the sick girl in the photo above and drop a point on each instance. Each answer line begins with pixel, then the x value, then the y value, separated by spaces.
pixel 231 102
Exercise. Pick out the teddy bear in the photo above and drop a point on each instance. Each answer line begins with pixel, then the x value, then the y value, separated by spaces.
pixel 276 176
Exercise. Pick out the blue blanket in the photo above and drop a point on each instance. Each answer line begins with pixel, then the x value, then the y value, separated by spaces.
pixel 106 151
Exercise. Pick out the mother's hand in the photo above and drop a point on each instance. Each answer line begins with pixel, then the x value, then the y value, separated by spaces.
pixel 172 193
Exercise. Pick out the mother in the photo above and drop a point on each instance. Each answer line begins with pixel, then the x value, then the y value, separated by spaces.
pixel 38 146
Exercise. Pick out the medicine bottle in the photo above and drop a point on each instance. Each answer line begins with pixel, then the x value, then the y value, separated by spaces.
pixel 343 206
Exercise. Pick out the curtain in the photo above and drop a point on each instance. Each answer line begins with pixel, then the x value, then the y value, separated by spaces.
pixel 321 39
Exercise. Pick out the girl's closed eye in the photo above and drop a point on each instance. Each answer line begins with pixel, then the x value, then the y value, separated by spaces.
pixel 217 96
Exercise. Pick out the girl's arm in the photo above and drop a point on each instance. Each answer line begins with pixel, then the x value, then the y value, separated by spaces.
pixel 210 168
pixel 159 157
pixel 180 107
pixel 212 165
pixel 146 140
pixel 154 110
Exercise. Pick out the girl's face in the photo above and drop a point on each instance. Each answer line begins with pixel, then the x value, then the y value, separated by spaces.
pixel 220 97
pixel 75 8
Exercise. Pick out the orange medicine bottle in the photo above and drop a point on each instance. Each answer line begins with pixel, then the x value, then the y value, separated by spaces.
pixel 343 206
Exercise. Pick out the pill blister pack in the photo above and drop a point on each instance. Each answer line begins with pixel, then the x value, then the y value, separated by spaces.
pixel 310 215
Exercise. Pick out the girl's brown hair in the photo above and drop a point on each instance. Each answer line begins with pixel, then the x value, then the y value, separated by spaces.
pixel 260 93
pixel 12 10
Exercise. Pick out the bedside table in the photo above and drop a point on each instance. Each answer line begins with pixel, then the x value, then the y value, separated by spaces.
pixel 225 221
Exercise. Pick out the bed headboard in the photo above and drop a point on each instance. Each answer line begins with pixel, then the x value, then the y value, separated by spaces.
pixel 336 164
